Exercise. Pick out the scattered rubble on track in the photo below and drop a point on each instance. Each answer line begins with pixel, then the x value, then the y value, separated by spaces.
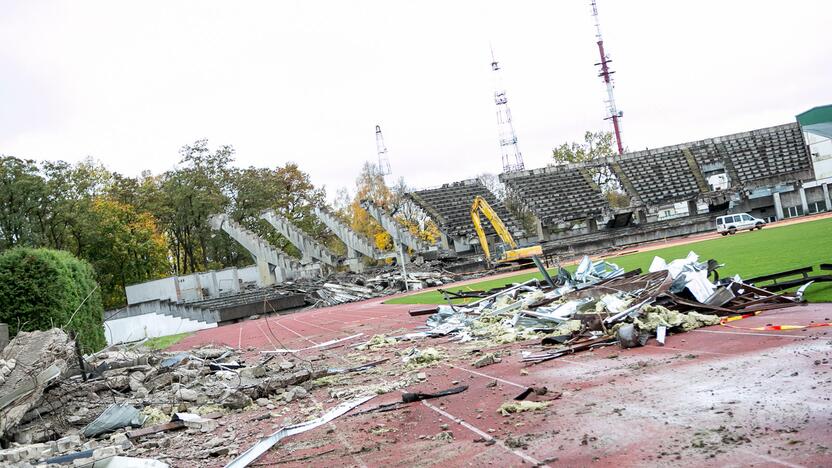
pixel 347 287
pixel 601 305
pixel 215 406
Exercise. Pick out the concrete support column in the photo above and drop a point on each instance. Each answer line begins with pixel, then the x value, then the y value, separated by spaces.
pixel 778 206
pixel 538 225
pixel 264 276
pixel 280 274
pixel 178 289
pixel 591 225
pixel 641 215
pixel 235 275
pixel 826 198
pixel 198 283
pixel 443 239
pixel 803 202
pixel 355 265
pixel 692 210
pixel 354 262
pixel 215 283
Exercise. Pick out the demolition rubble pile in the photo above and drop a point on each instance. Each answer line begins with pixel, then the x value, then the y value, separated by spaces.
pixel 127 399
pixel 127 406
pixel 350 287
pixel 602 305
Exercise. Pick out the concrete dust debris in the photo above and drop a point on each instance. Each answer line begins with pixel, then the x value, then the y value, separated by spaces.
pixel 149 386
pixel 514 406
pixel 486 360
pixel 376 342
pixel 652 317
pixel 373 389
pixel 416 358
pixel 445 436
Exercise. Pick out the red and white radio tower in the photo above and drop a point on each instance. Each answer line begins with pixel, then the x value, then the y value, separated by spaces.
pixel 614 113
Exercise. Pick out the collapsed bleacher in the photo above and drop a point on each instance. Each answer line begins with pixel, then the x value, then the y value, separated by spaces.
pixel 556 194
pixel 766 153
pixel 450 207
pixel 665 175
pixel 660 176
pixel 653 179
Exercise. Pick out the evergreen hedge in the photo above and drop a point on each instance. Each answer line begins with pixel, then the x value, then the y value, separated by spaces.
pixel 41 288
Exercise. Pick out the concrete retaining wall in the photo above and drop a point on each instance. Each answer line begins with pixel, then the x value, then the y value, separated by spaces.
pixel 621 237
pixel 149 326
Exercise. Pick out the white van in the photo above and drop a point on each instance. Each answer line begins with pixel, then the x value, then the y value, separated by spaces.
pixel 730 224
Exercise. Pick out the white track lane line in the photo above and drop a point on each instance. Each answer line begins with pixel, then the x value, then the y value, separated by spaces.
pixel 776 335
pixel 508 382
pixel 484 435
pixel 296 333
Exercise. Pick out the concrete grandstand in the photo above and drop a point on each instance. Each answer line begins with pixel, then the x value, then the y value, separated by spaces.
pixel 772 173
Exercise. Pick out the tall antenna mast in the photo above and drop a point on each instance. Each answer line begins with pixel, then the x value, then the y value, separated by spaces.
pixel 383 162
pixel 512 158
pixel 614 113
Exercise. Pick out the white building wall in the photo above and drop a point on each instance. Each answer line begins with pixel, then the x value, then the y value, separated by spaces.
pixel 821 149
pixel 248 274
pixel 189 288
pixel 160 289
pixel 149 326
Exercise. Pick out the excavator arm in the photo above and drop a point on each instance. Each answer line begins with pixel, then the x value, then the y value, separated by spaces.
pixel 481 205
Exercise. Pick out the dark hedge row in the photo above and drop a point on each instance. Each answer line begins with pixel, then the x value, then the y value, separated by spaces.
pixel 41 288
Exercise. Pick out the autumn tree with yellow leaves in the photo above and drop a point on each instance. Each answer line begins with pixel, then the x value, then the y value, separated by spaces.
pixel 370 185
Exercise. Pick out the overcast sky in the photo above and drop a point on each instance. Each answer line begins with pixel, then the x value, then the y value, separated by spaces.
pixel 129 83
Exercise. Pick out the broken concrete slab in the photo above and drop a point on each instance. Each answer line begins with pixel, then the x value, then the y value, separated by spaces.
pixel 39 357
pixel 486 360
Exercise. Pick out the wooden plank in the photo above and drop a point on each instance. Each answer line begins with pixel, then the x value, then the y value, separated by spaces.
pixel 154 429
pixel 423 311
pixel 166 427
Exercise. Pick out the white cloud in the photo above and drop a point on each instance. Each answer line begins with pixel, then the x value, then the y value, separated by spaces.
pixel 129 83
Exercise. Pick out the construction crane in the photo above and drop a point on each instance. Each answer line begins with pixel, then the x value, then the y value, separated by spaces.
pixel 504 255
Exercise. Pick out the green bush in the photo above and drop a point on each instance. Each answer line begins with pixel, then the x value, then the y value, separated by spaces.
pixel 41 288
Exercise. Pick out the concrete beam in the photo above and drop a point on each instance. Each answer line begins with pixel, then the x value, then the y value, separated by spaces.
pixel 626 182
pixel 803 202
pixel 356 243
pixel 696 171
pixel 778 206
pixel 399 233
pixel 311 249
pixel 693 210
pixel 538 226
pixel 267 257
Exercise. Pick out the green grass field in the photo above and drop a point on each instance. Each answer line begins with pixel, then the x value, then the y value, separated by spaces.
pixel 163 342
pixel 748 254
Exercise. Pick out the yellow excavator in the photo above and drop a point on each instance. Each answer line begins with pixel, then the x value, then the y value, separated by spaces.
pixel 503 253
